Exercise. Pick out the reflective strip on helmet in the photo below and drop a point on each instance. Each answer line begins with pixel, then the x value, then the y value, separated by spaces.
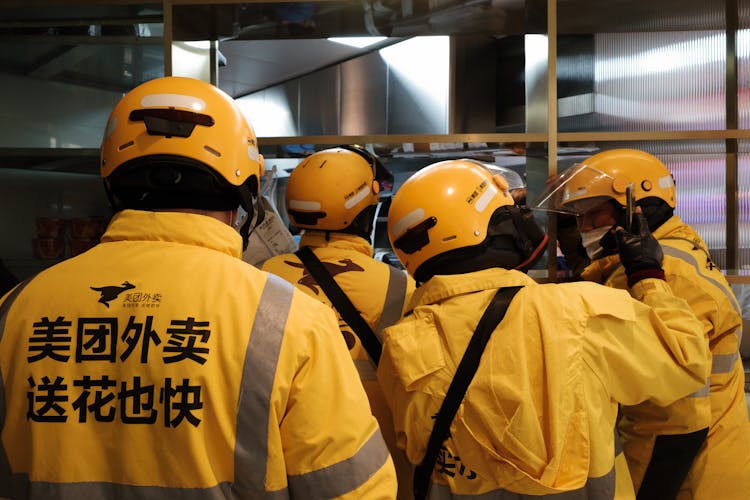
pixel 251 441
pixel 358 196
pixel 304 205
pixel 345 476
pixel 596 488
pixel 665 182
pixel 173 101
pixel 394 300
pixel 408 220
pixel 485 198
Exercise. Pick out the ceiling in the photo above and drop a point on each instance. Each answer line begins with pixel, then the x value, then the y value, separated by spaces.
pixel 118 45
pixel 115 46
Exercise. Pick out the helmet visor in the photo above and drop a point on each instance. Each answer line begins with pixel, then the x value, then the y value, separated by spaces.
pixel 511 176
pixel 575 191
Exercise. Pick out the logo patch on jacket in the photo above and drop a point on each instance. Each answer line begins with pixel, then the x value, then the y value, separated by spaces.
pixel 333 269
pixel 109 293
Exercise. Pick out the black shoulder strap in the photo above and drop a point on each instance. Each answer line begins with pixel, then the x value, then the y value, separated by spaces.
pixel 492 317
pixel 341 302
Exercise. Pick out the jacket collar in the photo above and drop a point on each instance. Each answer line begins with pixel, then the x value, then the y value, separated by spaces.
pixel 441 287
pixel 317 239
pixel 175 227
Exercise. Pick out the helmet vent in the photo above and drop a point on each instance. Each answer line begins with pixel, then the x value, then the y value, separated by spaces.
pixel 212 151
pixel 125 146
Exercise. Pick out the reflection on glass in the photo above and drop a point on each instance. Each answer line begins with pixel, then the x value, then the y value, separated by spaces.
pixel 743 188
pixel 651 81
pixel 743 78
pixel 700 182
pixel 390 18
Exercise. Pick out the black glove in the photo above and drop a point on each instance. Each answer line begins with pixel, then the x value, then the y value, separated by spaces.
pixel 640 253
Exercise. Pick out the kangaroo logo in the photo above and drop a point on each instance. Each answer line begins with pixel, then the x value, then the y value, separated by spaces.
pixel 109 293
pixel 332 268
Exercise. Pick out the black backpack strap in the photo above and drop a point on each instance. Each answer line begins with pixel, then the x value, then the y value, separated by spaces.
pixel 492 317
pixel 341 302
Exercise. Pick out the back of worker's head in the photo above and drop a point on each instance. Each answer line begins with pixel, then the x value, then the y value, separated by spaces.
pixel 606 176
pixel 455 216
pixel 336 190
pixel 180 143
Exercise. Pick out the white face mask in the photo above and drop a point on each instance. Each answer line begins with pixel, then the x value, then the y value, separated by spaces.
pixel 591 239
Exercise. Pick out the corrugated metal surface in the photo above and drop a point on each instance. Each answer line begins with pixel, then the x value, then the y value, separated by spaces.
pixel 701 197
pixel 743 186
pixel 660 81
pixel 743 11
pixel 743 78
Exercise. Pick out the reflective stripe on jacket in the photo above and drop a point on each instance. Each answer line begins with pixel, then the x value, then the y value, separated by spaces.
pixel 539 416
pixel 159 365
pixel 380 293
pixel 722 468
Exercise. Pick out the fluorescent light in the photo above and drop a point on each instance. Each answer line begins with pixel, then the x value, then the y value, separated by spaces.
pixel 358 41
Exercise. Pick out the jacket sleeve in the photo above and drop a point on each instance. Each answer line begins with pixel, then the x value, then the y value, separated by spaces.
pixel 653 350
pixel 332 445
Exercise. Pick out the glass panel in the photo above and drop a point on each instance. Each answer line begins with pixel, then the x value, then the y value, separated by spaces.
pixel 63 69
pixel 699 170
pixel 645 82
pixel 743 77
pixel 743 192
pixel 304 20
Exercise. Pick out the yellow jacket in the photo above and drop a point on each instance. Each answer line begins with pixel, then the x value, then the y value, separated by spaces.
pixel 159 364
pixel 722 468
pixel 378 291
pixel 540 413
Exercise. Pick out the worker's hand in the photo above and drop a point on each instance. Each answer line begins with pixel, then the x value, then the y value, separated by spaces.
pixel 640 253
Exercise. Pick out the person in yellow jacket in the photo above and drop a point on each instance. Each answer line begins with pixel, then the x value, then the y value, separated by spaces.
pixel 332 196
pixel 539 416
pixel 696 448
pixel 158 364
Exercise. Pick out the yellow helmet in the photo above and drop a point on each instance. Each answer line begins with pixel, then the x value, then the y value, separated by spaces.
pixel 607 175
pixel 448 206
pixel 178 142
pixel 330 188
